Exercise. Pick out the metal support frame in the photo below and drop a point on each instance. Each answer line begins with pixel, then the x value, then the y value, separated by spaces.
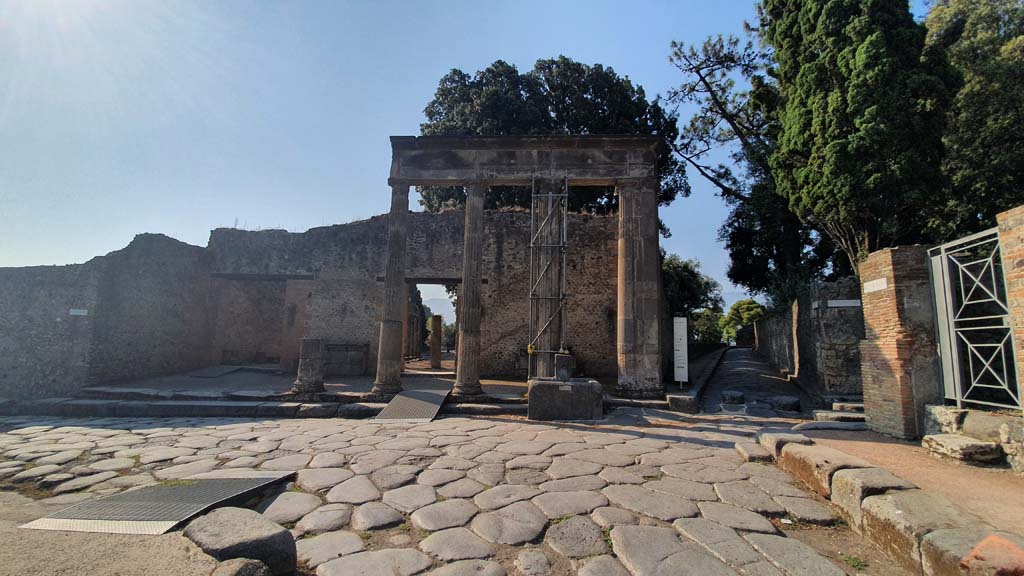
pixel 975 336
pixel 545 257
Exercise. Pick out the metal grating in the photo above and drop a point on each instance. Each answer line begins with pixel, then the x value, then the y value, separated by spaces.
pixel 154 509
pixel 420 405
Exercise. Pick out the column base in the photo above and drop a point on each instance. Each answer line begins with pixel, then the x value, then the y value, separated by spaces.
pixel 386 388
pixel 468 389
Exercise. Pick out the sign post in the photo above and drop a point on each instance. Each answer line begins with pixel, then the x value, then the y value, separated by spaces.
pixel 680 362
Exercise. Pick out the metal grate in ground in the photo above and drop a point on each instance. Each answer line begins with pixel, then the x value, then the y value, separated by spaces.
pixel 419 405
pixel 154 509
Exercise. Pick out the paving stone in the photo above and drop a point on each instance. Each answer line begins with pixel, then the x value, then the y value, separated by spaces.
pixel 815 465
pixel 355 490
pixel 897 521
pixel 753 452
pixel 228 533
pixel 327 518
pixel 746 495
pixel 807 511
pixel 601 456
pixel 83 482
pixel 614 475
pixel 395 476
pixel 327 460
pixel 242 567
pixel 607 516
pixel 576 537
pixel 242 462
pixel 778 488
pixel 375 516
pixel 537 462
pixel 470 568
pixel 410 498
pixel 568 468
pixel 685 488
pixel 851 487
pixel 289 507
pixel 294 462
pixel 528 476
pixel 60 457
pixel 603 565
pixel 36 472
pixel 464 488
pixel 374 460
pixel 326 547
pixel 533 562
pixel 558 504
pixel 185 470
pixel 722 541
pixel 946 552
pixel 963 448
pixel 574 484
pixel 514 524
pixel 503 495
pixel 439 477
pixel 705 474
pixel 654 504
pixel 792 556
pixel 489 474
pixel 441 515
pixel 456 544
pixel 453 463
pixel 529 447
pixel 55 479
pixel 735 517
pixel 651 550
pixel 774 441
pixel 316 479
pixel 389 562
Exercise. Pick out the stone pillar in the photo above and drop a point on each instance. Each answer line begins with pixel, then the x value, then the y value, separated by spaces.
pixel 899 361
pixel 436 331
pixel 639 290
pixel 405 323
pixel 548 287
pixel 1011 249
pixel 389 351
pixel 467 379
pixel 310 379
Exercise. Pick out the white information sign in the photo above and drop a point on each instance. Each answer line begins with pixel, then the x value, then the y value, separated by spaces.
pixel 78 312
pixel 681 362
pixel 876 285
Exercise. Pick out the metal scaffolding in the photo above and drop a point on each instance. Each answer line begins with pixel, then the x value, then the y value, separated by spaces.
pixel 548 276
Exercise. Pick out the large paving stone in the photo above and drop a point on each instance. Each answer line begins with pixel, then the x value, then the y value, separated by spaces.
pixel 328 460
pixel 815 465
pixel 289 507
pixel 514 524
pixel 410 498
pixel 807 511
pixel 775 441
pixel 242 567
pixel 568 468
pixel 736 517
pixel 532 562
pixel 962 551
pixel 503 495
pixel 112 464
pixel 685 488
pixel 464 488
pixel 389 562
pixel 792 556
pixel 185 470
pixel 656 551
pixel 607 517
pixel 527 447
pixel 573 484
pixel 317 479
pixel 456 544
pixel 470 568
pixel 963 448
pixel 83 482
pixel 746 495
pixel 576 537
pixel 705 474
pixel 375 516
pixel 851 487
pixel 529 476
pixel 897 522
pixel 60 457
pixel 355 490
pixel 326 547
pixel 654 504
pixel 558 504
pixel 441 515
pixel 722 541
pixel 287 463
pixel 394 476
pixel 326 518
pixel 439 477
pixel 614 475
pixel 753 452
pixel 603 565
pixel 36 472
pixel 228 533
pixel 601 456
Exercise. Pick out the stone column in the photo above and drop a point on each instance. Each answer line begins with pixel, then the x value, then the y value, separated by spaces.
pixel 405 324
pixel 389 351
pixel 436 331
pixel 310 378
pixel 548 286
pixel 467 379
pixel 639 290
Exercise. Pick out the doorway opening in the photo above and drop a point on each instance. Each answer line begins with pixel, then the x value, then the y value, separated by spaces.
pixel 431 329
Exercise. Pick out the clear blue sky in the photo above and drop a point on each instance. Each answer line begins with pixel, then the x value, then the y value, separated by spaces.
pixel 125 116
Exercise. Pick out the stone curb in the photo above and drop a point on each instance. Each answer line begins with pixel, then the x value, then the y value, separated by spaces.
pixel 688 401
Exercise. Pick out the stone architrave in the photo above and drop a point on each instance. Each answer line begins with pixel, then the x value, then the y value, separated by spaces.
pixel 389 351
pixel 467 379
pixel 436 331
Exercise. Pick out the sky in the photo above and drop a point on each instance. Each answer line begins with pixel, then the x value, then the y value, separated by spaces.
pixel 119 117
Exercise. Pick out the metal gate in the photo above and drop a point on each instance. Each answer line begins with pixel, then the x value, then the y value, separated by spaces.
pixel 973 321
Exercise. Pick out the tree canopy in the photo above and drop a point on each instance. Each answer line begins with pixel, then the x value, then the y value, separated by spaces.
pixel 741 313
pixel 687 289
pixel 558 96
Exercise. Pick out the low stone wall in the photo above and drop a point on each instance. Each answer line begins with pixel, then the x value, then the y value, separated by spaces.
pixel 816 340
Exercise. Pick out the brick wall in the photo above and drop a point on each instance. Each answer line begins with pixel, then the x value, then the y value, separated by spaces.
pixel 899 367
pixel 1011 246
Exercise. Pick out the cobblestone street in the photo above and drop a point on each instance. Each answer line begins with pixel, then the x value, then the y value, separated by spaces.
pixel 652 494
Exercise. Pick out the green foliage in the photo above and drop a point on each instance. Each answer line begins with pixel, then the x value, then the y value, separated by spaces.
pixel 450 336
pixel 559 96
pixel 861 118
pixel 687 289
pixel 741 313
pixel 984 42
pixel 704 326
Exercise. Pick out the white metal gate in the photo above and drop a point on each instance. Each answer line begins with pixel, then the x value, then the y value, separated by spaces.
pixel 973 322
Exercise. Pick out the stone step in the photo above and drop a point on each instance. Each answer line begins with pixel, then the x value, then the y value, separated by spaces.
pixel 616 402
pixel 963 448
pixel 836 416
pixel 848 406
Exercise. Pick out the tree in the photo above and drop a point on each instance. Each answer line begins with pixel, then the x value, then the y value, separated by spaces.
pixel 771 251
pixel 984 42
pixel 687 289
pixel 558 96
pixel 705 328
pixel 741 313
pixel 861 119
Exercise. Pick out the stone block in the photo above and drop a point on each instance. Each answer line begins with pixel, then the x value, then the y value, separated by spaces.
pixel 753 452
pixel 577 399
pixel 943 419
pixel 898 521
pixel 984 425
pixel 963 448
pixel 851 487
pixel 687 402
pixel 971 551
pixel 815 465
pixel 228 533
pixel 835 416
pixel 785 403
pixel 773 442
